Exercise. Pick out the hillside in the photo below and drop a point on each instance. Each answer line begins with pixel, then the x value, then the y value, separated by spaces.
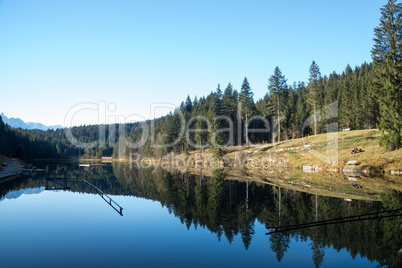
pixel 326 152
pixel 323 150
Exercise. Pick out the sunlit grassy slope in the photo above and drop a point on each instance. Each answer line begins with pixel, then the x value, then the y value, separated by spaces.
pixel 331 150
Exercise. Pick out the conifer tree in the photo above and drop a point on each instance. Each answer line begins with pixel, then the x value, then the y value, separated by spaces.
pixel 347 102
pixel 301 105
pixel 277 87
pixel 229 109
pixel 387 84
pixel 216 136
pixel 291 108
pixel 229 100
pixel 247 106
pixel 314 90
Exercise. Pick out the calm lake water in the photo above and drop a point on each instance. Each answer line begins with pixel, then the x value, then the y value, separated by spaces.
pixel 183 220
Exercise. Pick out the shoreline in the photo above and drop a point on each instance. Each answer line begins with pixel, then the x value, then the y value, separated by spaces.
pixel 13 170
pixel 319 153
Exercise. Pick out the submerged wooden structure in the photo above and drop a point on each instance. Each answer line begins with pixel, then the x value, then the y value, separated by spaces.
pixel 105 197
pixel 361 217
pixel 62 184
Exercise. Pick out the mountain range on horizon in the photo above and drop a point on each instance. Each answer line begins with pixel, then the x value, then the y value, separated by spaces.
pixel 19 123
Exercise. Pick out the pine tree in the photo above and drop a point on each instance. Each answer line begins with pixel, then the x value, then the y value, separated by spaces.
pixel 314 90
pixel 229 102
pixel 188 106
pixel 369 102
pixel 301 106
pixel 3 137
pixel 247 106
pixel 216 136
pixel 387 86
pixel 277 87
pixel 347 101
pixel 291 109
pixel 229 108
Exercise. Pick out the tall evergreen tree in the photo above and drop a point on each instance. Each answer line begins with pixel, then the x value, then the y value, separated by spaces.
pixel 216 136
pixel 188 105
pixel 347 100
pixel 247 106
pixel 277 87
pixel 3 137
pixel 229 109
pixel 387 86
pixel 229 100
pixel 314 90
pixel 291 109
pixel 301 106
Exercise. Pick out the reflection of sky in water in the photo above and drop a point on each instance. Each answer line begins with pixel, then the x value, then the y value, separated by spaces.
pixel 54 229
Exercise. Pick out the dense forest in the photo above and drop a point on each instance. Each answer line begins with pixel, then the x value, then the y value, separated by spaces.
pixel 363 97
pixel 354 108
pixel 342 98
pixel 37 144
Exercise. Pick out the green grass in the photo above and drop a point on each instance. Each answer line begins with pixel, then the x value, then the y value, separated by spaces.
pixel 292 179
pixel 293 153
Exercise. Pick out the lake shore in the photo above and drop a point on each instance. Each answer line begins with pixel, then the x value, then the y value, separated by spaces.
pixel 12 170
pixel 324 152
pixel 316 164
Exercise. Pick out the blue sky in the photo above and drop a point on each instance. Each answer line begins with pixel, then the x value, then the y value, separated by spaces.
pixel 57 54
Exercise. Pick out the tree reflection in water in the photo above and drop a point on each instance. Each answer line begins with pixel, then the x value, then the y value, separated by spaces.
pixel 229 207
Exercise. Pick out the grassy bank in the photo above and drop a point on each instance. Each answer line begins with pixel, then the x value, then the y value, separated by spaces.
pixel 332 151
pixel 326 151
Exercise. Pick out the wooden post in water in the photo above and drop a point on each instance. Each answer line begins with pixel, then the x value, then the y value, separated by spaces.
pixel 65 170
pixel 47 170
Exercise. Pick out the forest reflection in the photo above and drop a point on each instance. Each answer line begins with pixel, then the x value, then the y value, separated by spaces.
pixel 230 208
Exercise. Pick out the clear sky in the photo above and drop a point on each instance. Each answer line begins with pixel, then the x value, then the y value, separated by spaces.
pixel 57 54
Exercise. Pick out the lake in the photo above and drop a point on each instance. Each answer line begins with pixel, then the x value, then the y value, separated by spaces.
pixel 175 219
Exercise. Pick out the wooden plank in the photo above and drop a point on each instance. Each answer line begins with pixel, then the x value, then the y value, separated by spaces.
pixel 104 197
pixel 360 217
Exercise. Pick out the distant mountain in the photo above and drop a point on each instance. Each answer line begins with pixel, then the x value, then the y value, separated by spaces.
pixel 18 193
pixel 18 123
